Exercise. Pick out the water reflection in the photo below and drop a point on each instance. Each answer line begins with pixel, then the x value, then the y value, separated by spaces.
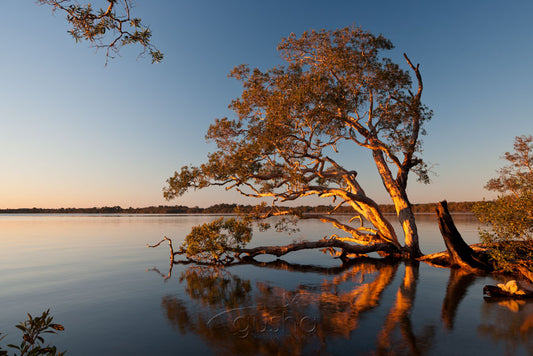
pixel 398 318
pixel 458 284
pixel 508 322
pixel 236 318
pixel 365 303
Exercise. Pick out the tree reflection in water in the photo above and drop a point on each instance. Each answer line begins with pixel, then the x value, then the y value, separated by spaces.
pixel 234 316
pixel 458 284
pixel 399 318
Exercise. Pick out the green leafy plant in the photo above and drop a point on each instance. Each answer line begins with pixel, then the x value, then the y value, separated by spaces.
pixel 213 242
pixel 510 216
pixel 32 343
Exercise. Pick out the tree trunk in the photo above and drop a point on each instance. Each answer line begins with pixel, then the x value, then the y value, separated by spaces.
pixel 373 214
pixel 401 203
pixel 407 219
pixel 461 255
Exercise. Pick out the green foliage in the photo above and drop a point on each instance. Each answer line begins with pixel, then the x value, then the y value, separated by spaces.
pixel 510 216
pixel 213 242
pixel 32 343
pixel 109 29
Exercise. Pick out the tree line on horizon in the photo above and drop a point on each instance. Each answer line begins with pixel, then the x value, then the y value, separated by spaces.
pixel 225 208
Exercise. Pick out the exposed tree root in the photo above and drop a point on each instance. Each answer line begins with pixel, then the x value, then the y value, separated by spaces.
pixel 442 259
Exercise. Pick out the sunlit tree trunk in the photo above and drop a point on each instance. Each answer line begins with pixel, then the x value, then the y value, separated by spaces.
pixel 397 191
pixel 407 220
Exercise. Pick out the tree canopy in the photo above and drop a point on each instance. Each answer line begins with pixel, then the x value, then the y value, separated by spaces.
pixel 110 27
pixel 336 87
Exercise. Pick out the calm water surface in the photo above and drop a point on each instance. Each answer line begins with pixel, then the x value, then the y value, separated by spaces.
pixel 117 297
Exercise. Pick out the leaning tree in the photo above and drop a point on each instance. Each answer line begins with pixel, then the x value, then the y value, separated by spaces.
pixel 336 88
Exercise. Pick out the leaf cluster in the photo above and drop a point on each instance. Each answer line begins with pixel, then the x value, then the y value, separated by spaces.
pixel 213 242
pixel 517 177
pixel 110 28
pixel 32 343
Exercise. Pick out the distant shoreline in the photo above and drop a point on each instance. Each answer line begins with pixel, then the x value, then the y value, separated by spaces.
pixel 456 207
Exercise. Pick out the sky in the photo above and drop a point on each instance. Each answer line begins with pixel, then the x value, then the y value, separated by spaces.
pixel 77 133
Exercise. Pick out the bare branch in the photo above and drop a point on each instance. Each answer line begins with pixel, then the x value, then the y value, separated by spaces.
pixel 172 253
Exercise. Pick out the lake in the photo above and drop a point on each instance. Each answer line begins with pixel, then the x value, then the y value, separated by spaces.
pixel 115 296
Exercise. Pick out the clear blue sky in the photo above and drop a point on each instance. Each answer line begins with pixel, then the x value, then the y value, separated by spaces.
pixel 74 133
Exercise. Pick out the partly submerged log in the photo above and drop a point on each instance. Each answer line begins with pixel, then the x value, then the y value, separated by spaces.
pixel 346 248
pixel 509 290
pixel 460 254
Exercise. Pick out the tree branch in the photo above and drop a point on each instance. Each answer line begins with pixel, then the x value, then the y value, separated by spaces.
pixel 96 26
